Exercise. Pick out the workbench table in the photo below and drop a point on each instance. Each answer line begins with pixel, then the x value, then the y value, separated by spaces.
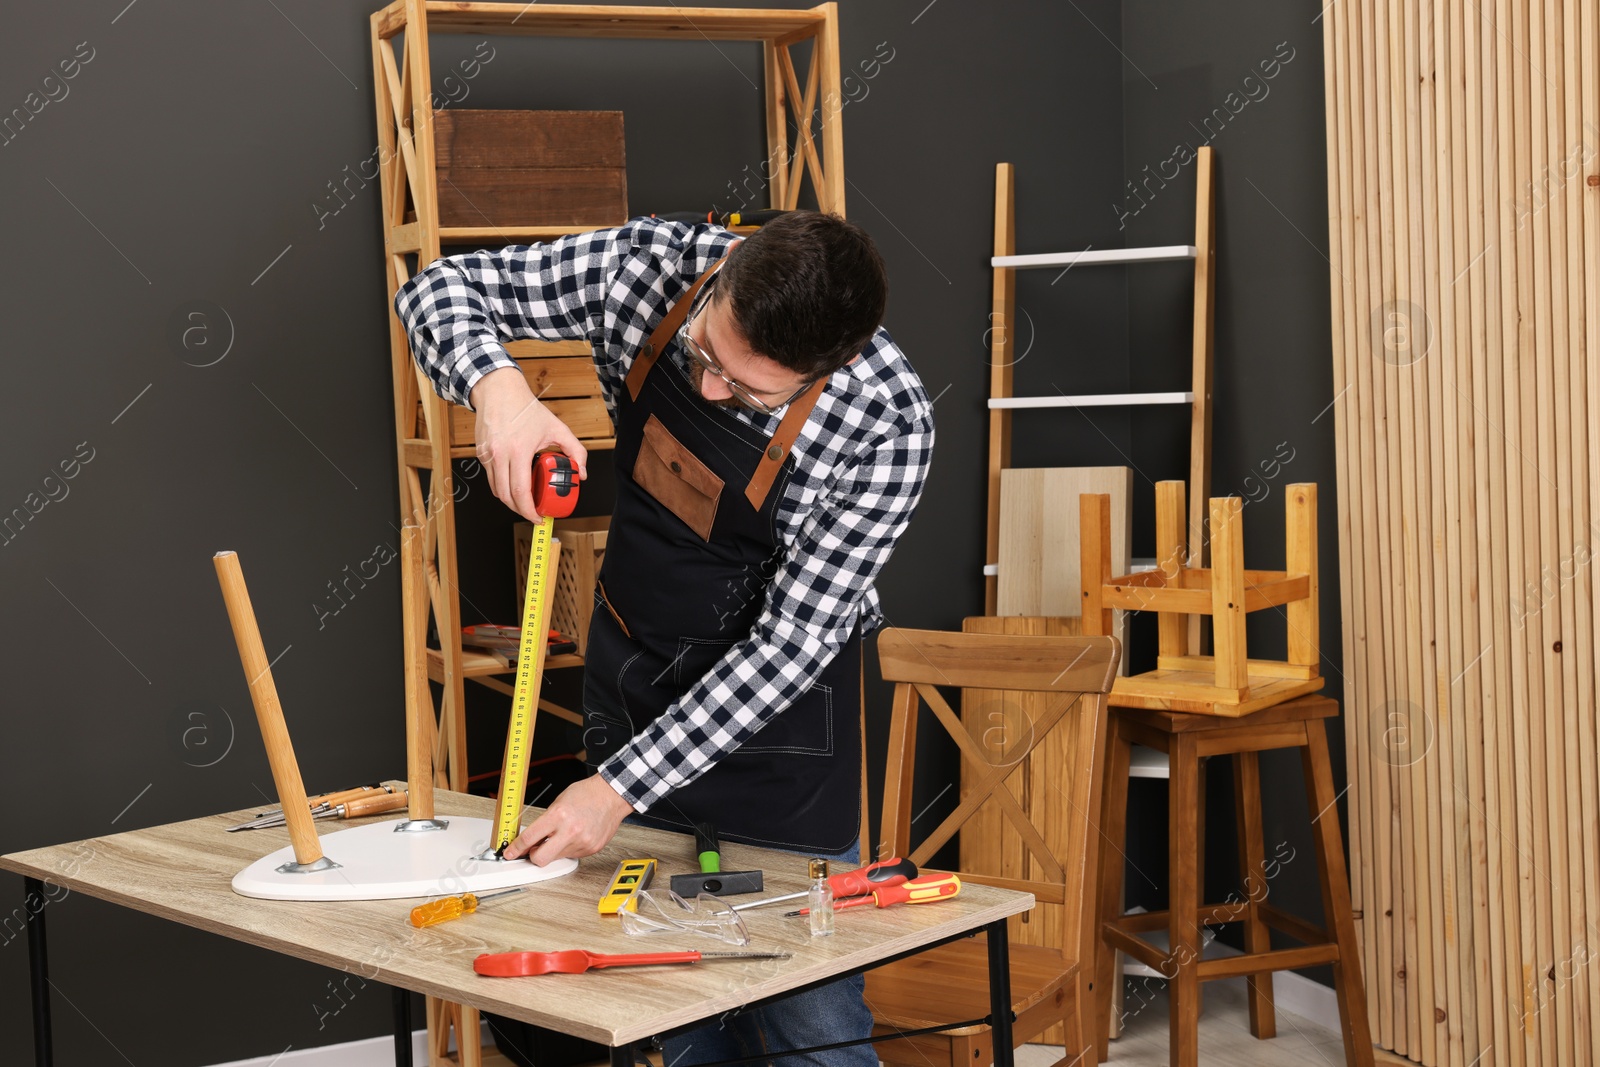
pixel 183 872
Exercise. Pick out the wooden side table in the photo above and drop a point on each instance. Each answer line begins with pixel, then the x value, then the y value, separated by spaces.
pixel 1187 738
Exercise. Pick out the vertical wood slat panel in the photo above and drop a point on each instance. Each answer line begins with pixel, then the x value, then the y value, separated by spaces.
pixel 1464 241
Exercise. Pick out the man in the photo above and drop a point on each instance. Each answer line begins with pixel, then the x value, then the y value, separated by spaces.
pixel 772 443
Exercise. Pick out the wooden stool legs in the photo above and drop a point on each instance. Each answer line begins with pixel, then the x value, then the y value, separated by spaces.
pixel 1108 897
pixel 1253 869
pixel 1188 739
pixel 1183 907
pixel 1336 895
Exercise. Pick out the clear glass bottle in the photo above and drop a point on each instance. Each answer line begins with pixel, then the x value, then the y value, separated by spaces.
pixel 820 900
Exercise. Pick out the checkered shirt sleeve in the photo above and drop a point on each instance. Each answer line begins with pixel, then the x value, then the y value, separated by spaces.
pixel 860 462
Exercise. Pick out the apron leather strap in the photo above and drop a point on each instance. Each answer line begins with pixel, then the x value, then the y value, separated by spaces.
pixel 794 419
pixel 665 330
pixel 782 441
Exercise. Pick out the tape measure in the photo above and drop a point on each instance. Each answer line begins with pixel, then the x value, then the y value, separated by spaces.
pixel 555 494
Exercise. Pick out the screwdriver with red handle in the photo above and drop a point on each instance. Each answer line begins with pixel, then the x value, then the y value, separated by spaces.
pixel 924 890
pixel 863 880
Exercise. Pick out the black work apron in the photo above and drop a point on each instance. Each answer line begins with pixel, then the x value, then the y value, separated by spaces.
pixel 692 548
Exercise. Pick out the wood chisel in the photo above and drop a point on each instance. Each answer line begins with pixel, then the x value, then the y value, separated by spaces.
pixel 375 804
pixel 320 803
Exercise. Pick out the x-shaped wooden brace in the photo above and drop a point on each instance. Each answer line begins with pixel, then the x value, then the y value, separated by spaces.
pixel 992 781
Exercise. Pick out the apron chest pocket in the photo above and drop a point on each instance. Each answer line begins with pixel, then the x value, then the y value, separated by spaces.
pixel 677 480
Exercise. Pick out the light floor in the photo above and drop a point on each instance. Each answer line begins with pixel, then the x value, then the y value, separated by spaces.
pixel 1224 1034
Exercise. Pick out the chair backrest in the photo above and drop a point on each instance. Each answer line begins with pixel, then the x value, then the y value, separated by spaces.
pixel 1021 694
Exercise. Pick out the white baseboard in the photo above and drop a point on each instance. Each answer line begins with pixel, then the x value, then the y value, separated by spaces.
pixel 371 1052
pixel 1308 999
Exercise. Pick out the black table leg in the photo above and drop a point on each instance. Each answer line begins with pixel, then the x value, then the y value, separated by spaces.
pixel 622 1056
pixel 402 1027
pixel 33 901
pixel 1000 992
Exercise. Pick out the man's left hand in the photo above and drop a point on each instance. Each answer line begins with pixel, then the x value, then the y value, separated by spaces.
pixel 579 822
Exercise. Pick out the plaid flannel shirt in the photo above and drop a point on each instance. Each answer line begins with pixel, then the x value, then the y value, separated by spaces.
pixel 861 461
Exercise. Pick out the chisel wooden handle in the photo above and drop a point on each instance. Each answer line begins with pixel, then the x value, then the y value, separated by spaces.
pixel 374 805
pixel 269 713
pixel 346 795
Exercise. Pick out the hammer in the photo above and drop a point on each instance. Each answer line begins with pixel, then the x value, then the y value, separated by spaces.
pixel 712 878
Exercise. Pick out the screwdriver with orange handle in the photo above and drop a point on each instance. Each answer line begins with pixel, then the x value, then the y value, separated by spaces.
pixel 862 880
pixel 924 890
pixel 446 908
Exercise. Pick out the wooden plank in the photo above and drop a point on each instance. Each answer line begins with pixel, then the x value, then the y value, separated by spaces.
pixel 621 21
pixel 830 197
pixel 1586 451
pixel 1094 560
pixel 1302 615
pixel 1187 691
pixel 777 127
pixel 1038 552
pixel 544 168
pixel 527 348
pixel 1278 959
pixel 1001 359
pixel 1268 668
pixel 997 661
pixel 1205 213
pixel 586 417
pixel 562 377
pixel 1227 592
pixel 1172 555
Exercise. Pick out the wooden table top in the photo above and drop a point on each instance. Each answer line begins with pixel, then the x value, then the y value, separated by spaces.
pixel 183 872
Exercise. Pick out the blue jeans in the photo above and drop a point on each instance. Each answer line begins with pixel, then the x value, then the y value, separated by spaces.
pixel 820 1016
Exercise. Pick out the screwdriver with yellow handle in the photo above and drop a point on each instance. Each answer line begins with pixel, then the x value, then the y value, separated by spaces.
pixel 446 908
pixel 925 890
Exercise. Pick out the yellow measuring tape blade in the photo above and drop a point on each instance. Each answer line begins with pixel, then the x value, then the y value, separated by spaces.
pixel 525 697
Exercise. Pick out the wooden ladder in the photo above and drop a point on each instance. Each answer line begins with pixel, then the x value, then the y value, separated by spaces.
pixel 1002 401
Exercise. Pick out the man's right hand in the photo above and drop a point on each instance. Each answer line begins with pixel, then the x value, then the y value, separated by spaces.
pixel 513 427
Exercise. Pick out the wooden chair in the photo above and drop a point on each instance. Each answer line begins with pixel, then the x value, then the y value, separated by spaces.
pixel 1017 690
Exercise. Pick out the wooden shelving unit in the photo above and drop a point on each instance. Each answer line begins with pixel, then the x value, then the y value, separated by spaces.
pixel 805 147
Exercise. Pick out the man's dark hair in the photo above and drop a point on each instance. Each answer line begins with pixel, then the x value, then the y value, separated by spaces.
pixel 807 290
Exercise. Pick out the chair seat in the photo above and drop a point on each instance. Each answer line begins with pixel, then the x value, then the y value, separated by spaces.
pixel 951 983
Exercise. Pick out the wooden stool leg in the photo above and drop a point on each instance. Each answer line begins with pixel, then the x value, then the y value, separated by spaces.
pixel 1183 929
pixel 1253 865
pixel 1200 861
pixel 1336 895
pixel 1108 905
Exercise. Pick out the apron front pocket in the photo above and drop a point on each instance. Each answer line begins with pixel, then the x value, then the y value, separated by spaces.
pixel 676 480
pixel 803 728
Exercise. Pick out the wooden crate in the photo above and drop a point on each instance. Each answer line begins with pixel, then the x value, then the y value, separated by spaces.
pixel 530 168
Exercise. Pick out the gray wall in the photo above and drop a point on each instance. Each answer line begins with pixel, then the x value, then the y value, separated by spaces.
pixel 188 166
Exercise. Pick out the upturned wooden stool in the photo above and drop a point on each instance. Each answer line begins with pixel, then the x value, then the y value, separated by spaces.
pixel 1187 738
